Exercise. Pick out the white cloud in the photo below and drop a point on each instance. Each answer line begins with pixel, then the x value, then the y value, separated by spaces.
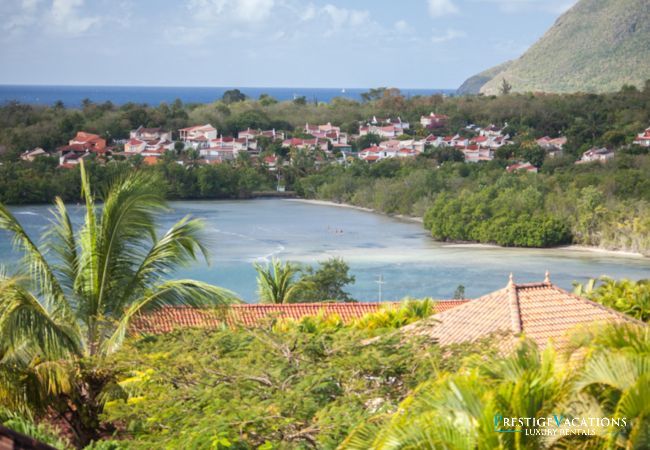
pixel 516 6
pixel 449 35
pixel 402 25
pixel 308 13
pixel 251 11
pixel 342 17
pixel 65 17
pixel 19 16
pixel 438 8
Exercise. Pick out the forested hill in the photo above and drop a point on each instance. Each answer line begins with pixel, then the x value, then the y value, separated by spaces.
pixel 474 84
pixel 596 46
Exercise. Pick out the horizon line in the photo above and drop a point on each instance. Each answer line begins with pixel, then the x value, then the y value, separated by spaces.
pixel 2 84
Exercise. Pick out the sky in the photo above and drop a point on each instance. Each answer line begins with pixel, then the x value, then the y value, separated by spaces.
pixel 265 43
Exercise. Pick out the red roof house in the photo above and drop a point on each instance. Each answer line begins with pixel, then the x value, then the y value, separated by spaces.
pixel 540 311
pixel 170 318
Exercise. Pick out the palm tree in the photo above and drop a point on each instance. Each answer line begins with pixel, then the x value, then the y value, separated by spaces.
pixel 275 282
pixel 458 410
pixel 616 375
pixel 73 298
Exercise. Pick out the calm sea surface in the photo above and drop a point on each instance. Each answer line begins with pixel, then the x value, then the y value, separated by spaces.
pixel 411 264
pixel 73 95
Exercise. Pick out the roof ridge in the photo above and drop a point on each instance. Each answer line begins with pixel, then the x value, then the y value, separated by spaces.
pixel 515 312
pixel 533 284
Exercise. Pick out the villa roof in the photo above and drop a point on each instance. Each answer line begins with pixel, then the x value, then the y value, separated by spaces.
pixel 170 318
pixel 83 136
pixel 541 311
pixel 207 128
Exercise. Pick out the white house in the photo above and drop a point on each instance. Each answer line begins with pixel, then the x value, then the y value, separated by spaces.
pixel 596 154
pixel 149 147
pixel 31 155
pixel 643 139
pixel 396 122
pixel 492 131
pixel 434 121
pixel 387 132
pixel 150 134
pixel 198 136
pixel 548 143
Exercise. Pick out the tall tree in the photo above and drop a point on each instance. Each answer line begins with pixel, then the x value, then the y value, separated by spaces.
pixel 275 282
pixel 71 303
pixel 505 87
pixel 326 283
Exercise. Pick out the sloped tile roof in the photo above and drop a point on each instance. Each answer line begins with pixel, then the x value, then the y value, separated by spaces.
pixel 170 318
pixel 540 311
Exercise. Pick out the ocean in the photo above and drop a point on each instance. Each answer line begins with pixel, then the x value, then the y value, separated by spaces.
pixel 72 96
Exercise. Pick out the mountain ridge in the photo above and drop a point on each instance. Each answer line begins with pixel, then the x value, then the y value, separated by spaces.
pixel 595 46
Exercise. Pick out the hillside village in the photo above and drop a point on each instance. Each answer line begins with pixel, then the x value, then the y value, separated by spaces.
pixel 389 137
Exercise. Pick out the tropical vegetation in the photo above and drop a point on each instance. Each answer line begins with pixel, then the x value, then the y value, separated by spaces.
pixel 291 283
pixel 627 296
pixel 319 383
pixel 69 302
pixel 464 410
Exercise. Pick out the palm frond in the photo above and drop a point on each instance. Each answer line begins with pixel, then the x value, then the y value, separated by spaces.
pixel 127 221
pixel 86 282
pixel 23 319
pixel 616 370
pixel 275 282
pixel 179 246
pixel 39 270
pixel 171 293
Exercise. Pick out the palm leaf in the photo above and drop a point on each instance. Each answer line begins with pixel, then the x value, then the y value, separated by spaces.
pixel 171 293
pixel 24 320
pixel 37 266
pixel 178 246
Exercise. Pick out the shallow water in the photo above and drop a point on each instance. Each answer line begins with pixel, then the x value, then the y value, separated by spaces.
pixel 240 233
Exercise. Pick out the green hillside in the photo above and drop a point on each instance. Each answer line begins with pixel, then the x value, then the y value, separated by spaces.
pixel 474 84
pixel 596 46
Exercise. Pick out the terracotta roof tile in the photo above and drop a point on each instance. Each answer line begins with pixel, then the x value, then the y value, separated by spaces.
pixel 170 318
pixel 541 311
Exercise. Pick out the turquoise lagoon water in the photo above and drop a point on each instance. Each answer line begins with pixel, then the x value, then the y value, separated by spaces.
pixel 240 233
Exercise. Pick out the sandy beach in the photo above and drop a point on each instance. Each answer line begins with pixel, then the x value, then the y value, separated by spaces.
pixel 360 208
pixel 570 248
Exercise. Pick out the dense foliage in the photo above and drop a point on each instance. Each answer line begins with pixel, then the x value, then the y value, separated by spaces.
pixel 318 383
pixel 287 385
pixel 463 410
pixel 626 296
pixel 287 282
pixel 71 301
pixel 603 205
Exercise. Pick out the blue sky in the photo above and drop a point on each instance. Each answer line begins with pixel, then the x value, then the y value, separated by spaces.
pixel 267 43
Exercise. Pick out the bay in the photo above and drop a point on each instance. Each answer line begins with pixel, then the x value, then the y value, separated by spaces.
pixel 240 233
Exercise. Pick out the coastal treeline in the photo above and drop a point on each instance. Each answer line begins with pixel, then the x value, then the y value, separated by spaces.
pixel 594 204
pixel 605 205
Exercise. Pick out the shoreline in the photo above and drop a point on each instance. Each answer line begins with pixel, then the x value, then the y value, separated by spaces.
pixel 358 208
pixel 569 248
